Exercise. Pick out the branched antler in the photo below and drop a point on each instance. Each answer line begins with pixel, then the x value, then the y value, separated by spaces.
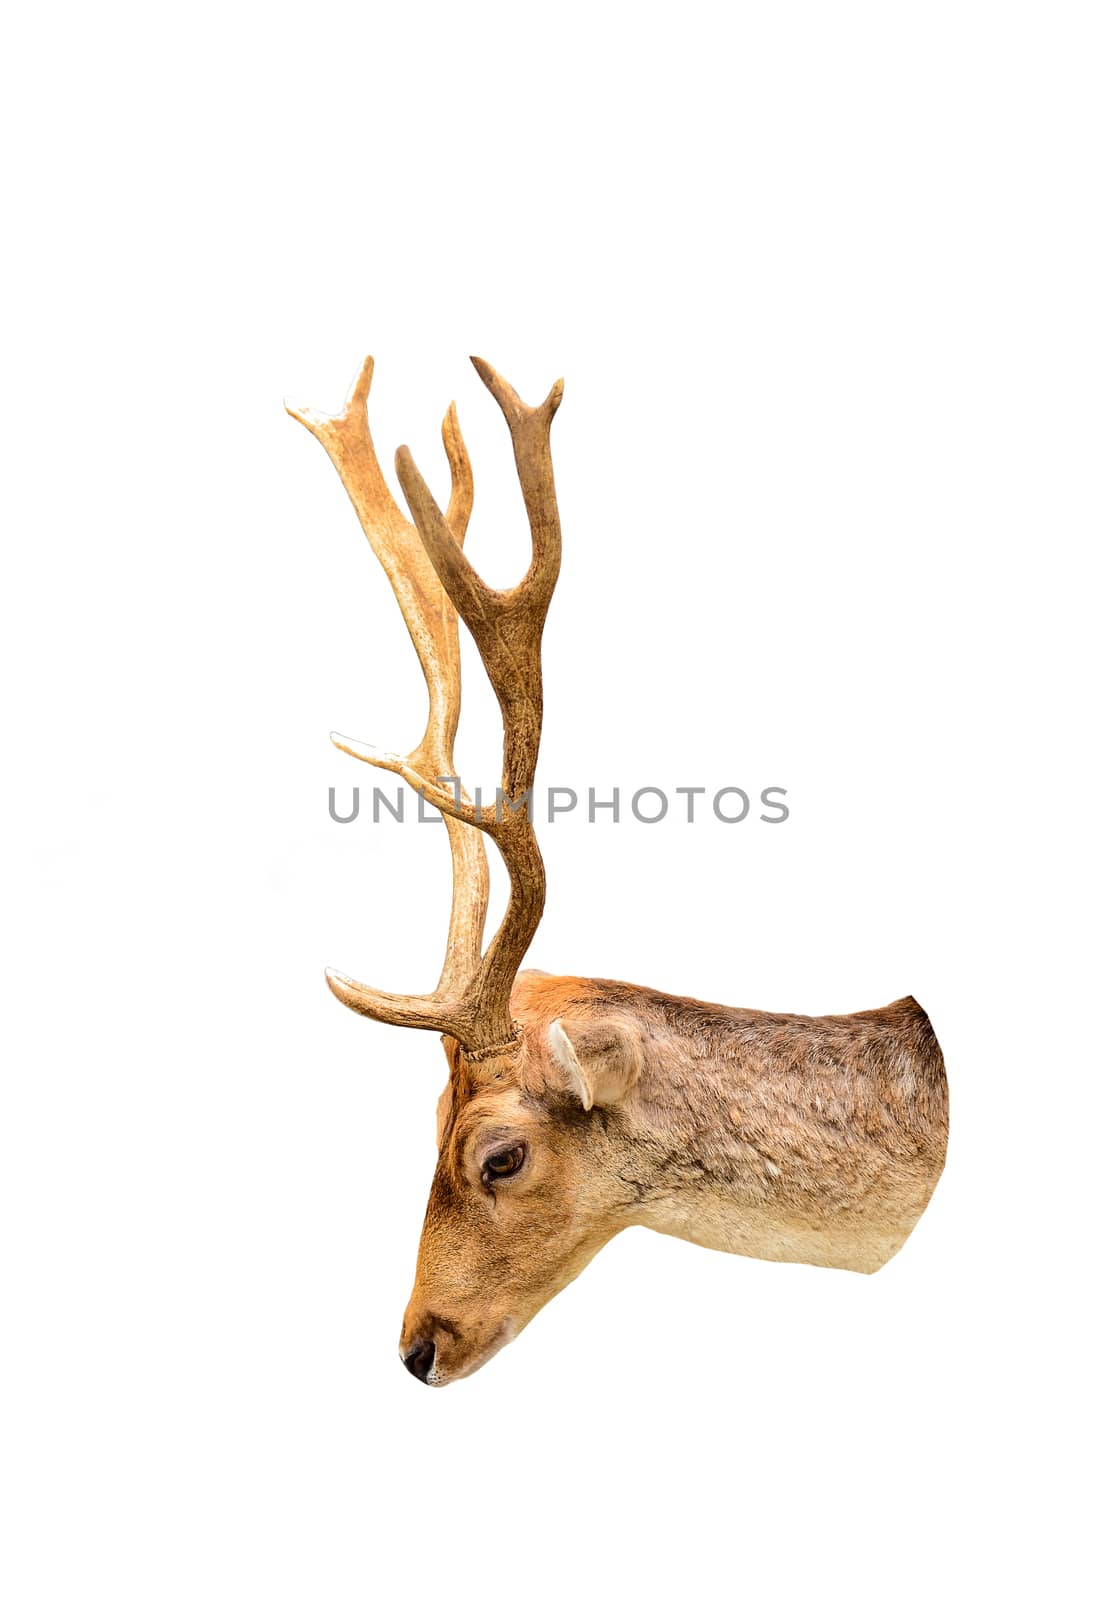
pixel 432 580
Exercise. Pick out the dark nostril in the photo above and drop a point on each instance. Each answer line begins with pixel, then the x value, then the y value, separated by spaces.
pixel 420 1358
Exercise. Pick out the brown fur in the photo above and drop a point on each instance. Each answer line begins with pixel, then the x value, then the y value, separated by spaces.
pixel 814 1139
pixel 806 1139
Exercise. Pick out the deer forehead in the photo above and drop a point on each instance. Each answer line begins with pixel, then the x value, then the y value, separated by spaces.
pixel 490 1113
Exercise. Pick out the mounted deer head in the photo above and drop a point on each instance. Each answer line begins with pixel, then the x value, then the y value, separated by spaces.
pixel 575 1108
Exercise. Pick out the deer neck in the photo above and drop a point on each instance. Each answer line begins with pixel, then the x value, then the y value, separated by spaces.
pixel 784 1150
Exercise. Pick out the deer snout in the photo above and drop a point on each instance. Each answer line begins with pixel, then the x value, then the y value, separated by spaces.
pixel 419 1358
pixel 437 1350
pixel 423 1338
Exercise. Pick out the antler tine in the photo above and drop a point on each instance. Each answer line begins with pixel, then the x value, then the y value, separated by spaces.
pixel 530 430
pixel 461 503
pixel 507 627
pixel 433 628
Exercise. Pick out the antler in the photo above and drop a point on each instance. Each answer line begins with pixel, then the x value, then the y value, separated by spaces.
pixel 432 580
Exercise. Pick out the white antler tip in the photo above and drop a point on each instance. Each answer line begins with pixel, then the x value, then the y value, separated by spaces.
pixel 360 388
pixel 342 987
pixel 312 419
pixel 388 760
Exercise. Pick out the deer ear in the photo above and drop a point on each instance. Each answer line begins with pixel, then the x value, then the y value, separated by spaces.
pixel 600 1064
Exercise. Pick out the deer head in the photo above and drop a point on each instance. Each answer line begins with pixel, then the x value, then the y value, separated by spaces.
pixel 515 1209
pixel 578 1107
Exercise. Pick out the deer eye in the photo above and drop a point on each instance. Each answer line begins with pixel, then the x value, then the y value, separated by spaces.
pixel 503 1163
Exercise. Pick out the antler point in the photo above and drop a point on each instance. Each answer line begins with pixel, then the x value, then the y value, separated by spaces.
pixel 361 386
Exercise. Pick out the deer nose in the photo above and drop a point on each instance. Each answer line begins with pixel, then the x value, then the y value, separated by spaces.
pixel 420 1358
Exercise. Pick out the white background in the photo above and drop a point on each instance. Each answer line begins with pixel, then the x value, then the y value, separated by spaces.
pixel 828 288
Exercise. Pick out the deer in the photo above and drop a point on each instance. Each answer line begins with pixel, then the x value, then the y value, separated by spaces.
pixel 578 1107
